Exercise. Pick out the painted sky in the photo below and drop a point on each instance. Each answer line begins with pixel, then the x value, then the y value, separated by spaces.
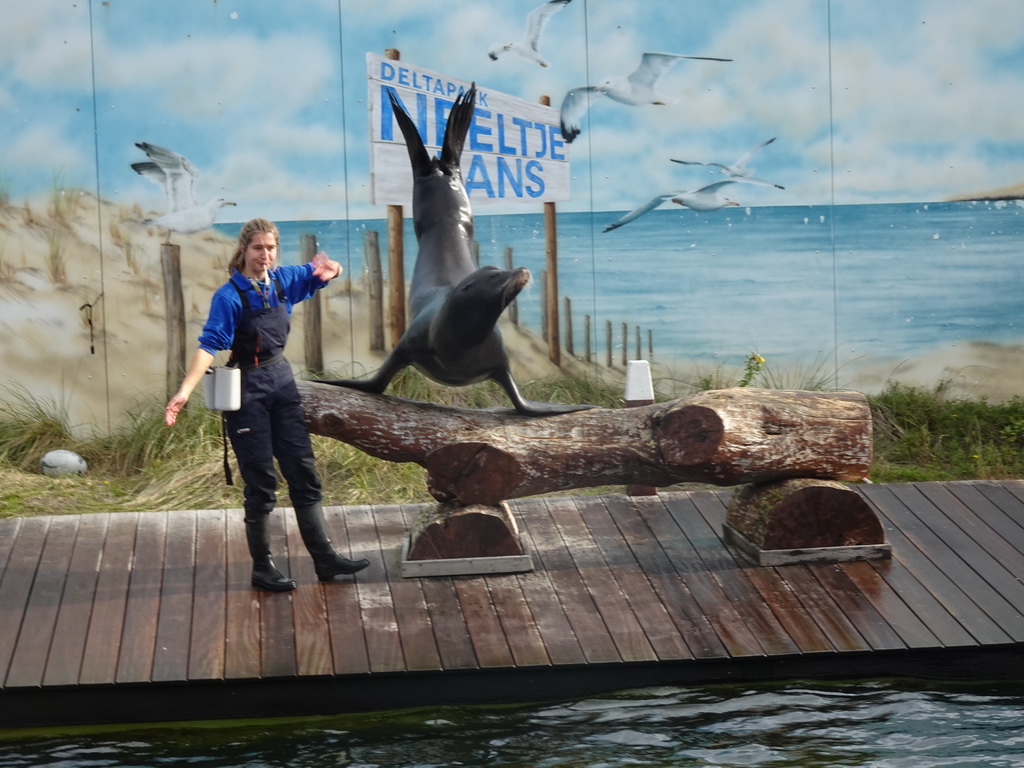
pixel 870 100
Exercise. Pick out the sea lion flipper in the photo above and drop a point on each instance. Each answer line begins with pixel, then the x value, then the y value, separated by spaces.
pixel 526 407
pixel 418 155
pixel 377 383
pixel 459 120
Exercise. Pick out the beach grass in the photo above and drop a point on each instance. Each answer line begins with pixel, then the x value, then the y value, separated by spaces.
pixel 919 434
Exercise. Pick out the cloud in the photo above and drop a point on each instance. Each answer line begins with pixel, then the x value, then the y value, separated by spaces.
pixel 202 78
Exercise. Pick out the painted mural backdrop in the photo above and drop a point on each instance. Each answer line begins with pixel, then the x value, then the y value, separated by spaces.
pixel 831 184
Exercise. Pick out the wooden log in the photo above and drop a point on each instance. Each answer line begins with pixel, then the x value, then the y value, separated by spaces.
pixel 804 521
pixel 722 437
pixel 803 513
pixel 452 531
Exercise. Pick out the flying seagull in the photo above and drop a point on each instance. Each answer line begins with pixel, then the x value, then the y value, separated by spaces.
pixel 739 169
pixel 177 176
pixel 637 89
pixel 535 23
pixel 707 198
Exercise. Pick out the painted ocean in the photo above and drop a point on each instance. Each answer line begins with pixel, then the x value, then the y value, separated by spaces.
pixel 830 284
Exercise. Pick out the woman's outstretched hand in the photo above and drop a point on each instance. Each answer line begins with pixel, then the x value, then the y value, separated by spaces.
pixel 174 407
pixel 324 268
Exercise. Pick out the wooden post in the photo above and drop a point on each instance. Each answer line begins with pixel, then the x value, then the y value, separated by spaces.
pixel 396 274
pixel 587 350
pixel 551 305
pixel 569 347
pixel 638 354
pixel 513 308
pixel 174 307
pixel 375 289
pixel 650 344
pixel 608 342
pixel 551 263
pixel 396 258
pixel 312 314
pixel 639 391
pixel 544 304
pixel 625 344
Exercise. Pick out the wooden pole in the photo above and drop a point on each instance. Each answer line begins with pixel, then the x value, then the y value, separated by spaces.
pixel 174 304
pixel 396 258
pixel 625 344
pixel 551 264
pixel 375 289
pixel 569 347
pixel 608 342
pixel 587 350
pixel 513 308
pixel 312 314
pixel 544 303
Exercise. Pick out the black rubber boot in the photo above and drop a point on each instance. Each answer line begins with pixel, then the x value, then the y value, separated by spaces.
pixel 264 573
pixel 326 560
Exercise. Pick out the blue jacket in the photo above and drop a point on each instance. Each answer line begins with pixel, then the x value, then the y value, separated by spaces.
pixel 297 284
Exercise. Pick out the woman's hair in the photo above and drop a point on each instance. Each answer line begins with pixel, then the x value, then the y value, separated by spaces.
pixel 250 229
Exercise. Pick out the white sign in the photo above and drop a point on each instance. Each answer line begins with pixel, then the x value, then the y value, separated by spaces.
pixel 514 150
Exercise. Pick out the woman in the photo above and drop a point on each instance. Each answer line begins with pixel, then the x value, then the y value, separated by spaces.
pixel 250 315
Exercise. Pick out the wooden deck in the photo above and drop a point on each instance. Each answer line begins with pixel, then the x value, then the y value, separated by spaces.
pixel 144 617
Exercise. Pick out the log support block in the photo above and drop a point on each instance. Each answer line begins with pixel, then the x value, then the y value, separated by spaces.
pixel 453 539
pixel 803 520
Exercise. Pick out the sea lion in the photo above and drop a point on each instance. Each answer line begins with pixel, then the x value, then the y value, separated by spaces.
pixel 453 336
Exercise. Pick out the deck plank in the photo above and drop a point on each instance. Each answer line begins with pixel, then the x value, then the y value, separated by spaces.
pixel 600 581
pixel 103 639
pixel 661 631
pixel 28 664
pixel 553 625
pixel 942 578
pixel 174 622
pixel 988 513
pixel 694 626
pixel 414 623
pixel 721 613
pixel 348 640
pixel 376 606
pixel 278 653
pixel 769 584
pixel 724 568
pixel 209 605
pixel 138 638
pixel 242 656
pixel 984 580
pixel 550 553
pixel 525 642
pixel 22 562
pixel 313 653
pixel 76 605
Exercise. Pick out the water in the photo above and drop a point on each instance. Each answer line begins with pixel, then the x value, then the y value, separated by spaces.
pixel 890 724
pixel 793 283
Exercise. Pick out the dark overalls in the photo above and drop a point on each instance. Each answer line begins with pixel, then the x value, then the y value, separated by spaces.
pixel 270 422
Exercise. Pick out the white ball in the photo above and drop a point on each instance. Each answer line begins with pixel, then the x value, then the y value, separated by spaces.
pixel 63 463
